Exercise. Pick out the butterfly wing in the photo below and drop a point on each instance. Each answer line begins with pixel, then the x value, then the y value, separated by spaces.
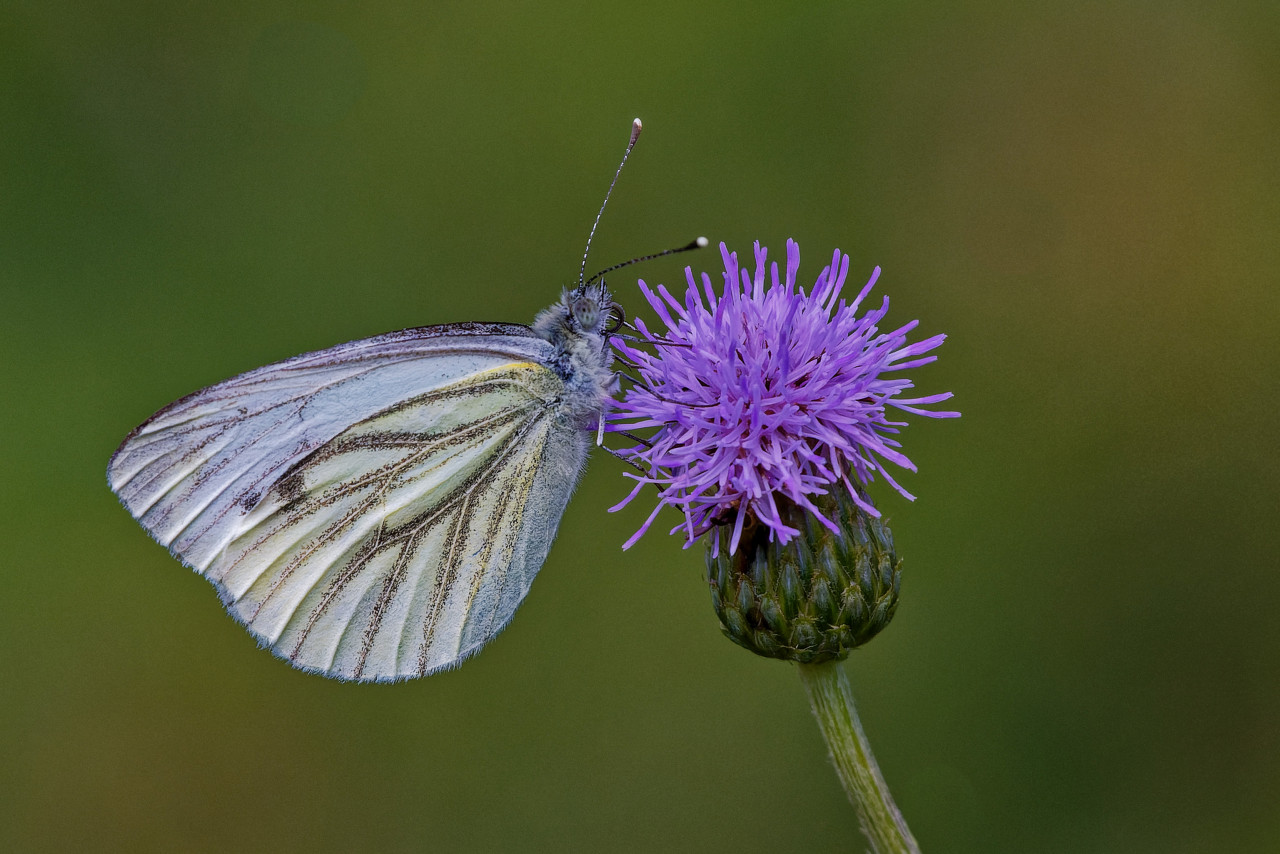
pixel 374 511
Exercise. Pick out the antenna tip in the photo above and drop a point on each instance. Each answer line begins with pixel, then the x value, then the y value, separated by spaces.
pixel 701 242
pixel 636 127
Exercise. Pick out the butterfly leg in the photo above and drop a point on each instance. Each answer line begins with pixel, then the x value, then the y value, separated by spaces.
pixel 625 459
pixel 633 437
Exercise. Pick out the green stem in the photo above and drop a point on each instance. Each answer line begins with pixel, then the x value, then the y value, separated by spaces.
pixel 832 703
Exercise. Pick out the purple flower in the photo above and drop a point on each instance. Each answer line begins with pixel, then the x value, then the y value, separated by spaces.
pixel 766 392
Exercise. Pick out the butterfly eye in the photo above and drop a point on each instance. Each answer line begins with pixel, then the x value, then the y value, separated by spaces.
pixel 617 319
pixel 586 312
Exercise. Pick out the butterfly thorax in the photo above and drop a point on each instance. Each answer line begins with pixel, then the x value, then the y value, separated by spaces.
pixel 576 327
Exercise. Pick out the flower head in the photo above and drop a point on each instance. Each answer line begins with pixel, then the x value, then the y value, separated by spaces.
pixel 767 394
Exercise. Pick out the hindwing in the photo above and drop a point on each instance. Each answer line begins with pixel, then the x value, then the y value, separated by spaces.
pixel 372 512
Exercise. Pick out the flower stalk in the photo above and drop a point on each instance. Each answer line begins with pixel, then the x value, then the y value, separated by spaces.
pixel 833 706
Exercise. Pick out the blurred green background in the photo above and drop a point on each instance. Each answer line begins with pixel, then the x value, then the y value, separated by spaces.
pixel 1084 196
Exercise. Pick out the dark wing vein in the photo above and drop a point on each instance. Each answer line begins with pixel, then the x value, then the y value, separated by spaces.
pixel 385 476
pixel 408 537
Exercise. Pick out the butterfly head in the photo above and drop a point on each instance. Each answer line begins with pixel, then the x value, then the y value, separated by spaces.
pixel 592 309
pixel 585 312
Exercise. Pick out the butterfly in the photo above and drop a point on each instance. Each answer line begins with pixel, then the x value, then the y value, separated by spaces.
pixel 377 511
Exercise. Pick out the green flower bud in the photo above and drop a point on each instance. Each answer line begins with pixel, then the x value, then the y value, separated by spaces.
pixel 815 598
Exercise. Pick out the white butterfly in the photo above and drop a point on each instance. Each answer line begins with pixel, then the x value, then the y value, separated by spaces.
pixel 378 510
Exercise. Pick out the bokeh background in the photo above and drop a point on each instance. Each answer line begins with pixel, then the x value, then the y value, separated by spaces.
pixel 1085 196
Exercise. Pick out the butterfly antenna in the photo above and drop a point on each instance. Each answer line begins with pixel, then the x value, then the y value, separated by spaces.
pixel 635 134
pixel 697 243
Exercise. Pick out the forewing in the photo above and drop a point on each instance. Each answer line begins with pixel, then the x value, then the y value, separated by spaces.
pixel 375 511
pixel 188 472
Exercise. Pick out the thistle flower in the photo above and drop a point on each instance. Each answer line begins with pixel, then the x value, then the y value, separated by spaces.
pixel 766 396
pixel 769 410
